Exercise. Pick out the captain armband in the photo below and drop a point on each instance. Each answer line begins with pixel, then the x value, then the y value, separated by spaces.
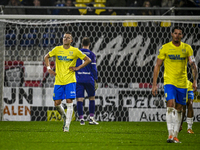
pixel 192 58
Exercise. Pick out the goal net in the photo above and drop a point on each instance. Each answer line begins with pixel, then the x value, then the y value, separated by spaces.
pixel 126 49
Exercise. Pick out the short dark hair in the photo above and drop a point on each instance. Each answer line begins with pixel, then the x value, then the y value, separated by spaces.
pixel 85 41
pixel 69 33
pixel 177 27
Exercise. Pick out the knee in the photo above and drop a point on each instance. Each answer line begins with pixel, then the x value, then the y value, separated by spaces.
pixel 179 110
pixel 170 109
pixel 57 102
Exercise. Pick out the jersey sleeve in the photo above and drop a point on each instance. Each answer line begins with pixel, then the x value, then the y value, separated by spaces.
pixel 161 54
pixel 80 54
pixel 52 53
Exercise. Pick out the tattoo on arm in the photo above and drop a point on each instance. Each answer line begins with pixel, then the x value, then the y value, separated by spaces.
pixel 194 70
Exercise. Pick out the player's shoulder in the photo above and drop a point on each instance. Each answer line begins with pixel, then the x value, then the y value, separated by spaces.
pixel 166 44
pixel 163 47
pixel 58 47
pixel 73 48
pixel 186 45
pixel 87 51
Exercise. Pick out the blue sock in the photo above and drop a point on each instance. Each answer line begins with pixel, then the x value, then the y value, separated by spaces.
pixel 92 107
pixel 80 109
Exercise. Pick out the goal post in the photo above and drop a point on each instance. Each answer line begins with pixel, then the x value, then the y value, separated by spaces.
pixel 2 51
pixel 125 46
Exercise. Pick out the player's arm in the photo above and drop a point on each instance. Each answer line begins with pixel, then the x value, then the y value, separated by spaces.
pixel 155 75
pixel 46 60
pixel 94 71
pixel 86 59
pixel 194 71
pixel 94 68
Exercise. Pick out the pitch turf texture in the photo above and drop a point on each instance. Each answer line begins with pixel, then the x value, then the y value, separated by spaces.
pixel 106 135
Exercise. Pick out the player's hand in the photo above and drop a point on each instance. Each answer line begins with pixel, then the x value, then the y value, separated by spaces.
pixel 73 68
pixel 154 90
pixel 51 72
pixel 95 85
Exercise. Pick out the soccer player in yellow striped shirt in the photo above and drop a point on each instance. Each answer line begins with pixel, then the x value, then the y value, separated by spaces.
pixel 65 79
pixel 175 56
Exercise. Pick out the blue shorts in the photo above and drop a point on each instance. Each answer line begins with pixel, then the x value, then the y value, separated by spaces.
pixel 190 95
pixel 81 87
pixel 64 91
pixel 172 92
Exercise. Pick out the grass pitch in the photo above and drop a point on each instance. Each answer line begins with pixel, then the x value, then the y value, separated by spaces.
pixel 106 135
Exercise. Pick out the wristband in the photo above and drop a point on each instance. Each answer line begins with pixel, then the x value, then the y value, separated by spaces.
pixel 48 67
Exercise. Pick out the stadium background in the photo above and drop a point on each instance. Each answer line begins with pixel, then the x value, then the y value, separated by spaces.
pixel 126 53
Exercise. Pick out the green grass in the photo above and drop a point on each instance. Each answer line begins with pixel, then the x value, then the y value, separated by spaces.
pixel 106 135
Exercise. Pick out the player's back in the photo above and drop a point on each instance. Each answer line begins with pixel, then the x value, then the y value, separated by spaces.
pixel 89 72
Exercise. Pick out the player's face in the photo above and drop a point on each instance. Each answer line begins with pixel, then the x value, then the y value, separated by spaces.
pixel 177 35
pixel 67 39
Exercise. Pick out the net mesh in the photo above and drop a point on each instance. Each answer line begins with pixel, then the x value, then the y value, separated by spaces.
pixel 126 53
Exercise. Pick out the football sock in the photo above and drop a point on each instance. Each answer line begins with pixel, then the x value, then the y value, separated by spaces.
pixel 69 113
pixel 177 122
pixel 80 109
pixel 92 107
pixel 169 120
pixel 189 122
pixel 60 109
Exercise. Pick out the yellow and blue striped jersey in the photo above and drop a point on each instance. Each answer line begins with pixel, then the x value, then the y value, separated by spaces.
pixel 65 58
pixel 175 63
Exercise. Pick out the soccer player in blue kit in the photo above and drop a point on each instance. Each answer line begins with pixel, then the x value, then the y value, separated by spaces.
pixel 65 79
pixel 175 56
pixel 86 81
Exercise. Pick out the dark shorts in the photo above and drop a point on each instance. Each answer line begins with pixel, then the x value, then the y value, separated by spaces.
pixel 82 87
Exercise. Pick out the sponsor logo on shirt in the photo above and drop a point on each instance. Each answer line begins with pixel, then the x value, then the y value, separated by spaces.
pixel 176 57
pixel 64 58
pixel 83 72
pixel 86 53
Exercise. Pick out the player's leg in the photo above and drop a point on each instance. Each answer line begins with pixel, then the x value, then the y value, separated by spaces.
pixel 183 116
pixel 80 110
pixel 70 92
pixel 177 121
pixel 180 101
pixel 80 97
pixel 170 119
pixel 68 114
pixel 90 89
pixel 58 97
pixel 60 109
pixel 190 115
pixel 92 110
pixel 170 98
